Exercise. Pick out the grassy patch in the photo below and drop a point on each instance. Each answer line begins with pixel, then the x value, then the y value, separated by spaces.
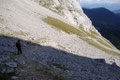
pixel 109 43
pixel 5 76
pixel 94 32
pixel 81 33
pixel 94 35
pixel 83 70
pixel 49 5
pixel 14 33
pixel 102 48
pixel 91 35
pixel 49 72
pixel 46 3
pixel 104 43
pixel 42 40
pixel 21 33
pixel 6 34
pixel 57 77
pixel 58 10
pixel 60 66
pixel 63 26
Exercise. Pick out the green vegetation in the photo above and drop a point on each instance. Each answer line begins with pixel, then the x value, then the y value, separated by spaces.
pixel 91 35
pixel 94 35
pixel 93 32
pixel 46 3
pixel 83 70
pixel 49 5
pixel 5 76
pixel 60 66
pixel 6 34
pixel 58 10
pixel 94 72
pixel 21 33
pixel 109 43
pixel 13 33
pixel 57 77
pixel 63 26
pixel 104 43
pixel 102 48
pixel 80 33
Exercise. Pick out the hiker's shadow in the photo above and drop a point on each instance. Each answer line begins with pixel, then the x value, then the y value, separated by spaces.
pixel 77 67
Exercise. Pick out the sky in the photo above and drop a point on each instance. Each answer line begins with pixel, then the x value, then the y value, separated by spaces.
pixel 100 1
pixel 109 4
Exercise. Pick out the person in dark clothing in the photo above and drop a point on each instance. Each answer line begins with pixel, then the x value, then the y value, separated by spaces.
pixel 18 45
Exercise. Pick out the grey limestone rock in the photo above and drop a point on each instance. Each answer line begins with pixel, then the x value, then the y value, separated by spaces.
pixel 14 77
pixel 10 70
pixel 11 64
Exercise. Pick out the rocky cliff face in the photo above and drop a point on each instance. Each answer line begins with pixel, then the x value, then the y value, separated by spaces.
pixel 70 10
pixel 56 34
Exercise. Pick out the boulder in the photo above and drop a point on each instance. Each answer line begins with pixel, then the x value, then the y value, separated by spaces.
pixel 10 70
pixel 14 77
pixel 11 64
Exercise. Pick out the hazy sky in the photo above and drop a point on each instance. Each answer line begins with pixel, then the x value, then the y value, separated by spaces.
pixel 99 1
pixel 109 4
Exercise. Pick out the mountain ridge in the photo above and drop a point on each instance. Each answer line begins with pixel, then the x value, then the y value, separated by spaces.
pixel 106 22
pixel 64 43
pixel 116 11
pixel 102 14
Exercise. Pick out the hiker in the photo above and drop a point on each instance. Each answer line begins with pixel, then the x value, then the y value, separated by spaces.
pixel 18 45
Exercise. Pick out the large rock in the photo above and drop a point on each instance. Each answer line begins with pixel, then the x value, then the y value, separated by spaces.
pixel 11 64
pixel 14 77
pixel 10 70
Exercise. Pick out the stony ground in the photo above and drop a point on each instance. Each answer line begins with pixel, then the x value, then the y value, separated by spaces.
pixel 21 67
pixel 40 62
pixel 60 53
pixel 18 67
pixel 33 70
pixel 75 67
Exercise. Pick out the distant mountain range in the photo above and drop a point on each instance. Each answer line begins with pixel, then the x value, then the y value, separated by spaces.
pixel 112 7
pixel 117 12
pixel 107 23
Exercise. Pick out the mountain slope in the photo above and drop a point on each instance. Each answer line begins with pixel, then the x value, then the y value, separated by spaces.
pixel 116 11
pixel 67 43
pixel 104 16
pixel 118 14
pixel 106 22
